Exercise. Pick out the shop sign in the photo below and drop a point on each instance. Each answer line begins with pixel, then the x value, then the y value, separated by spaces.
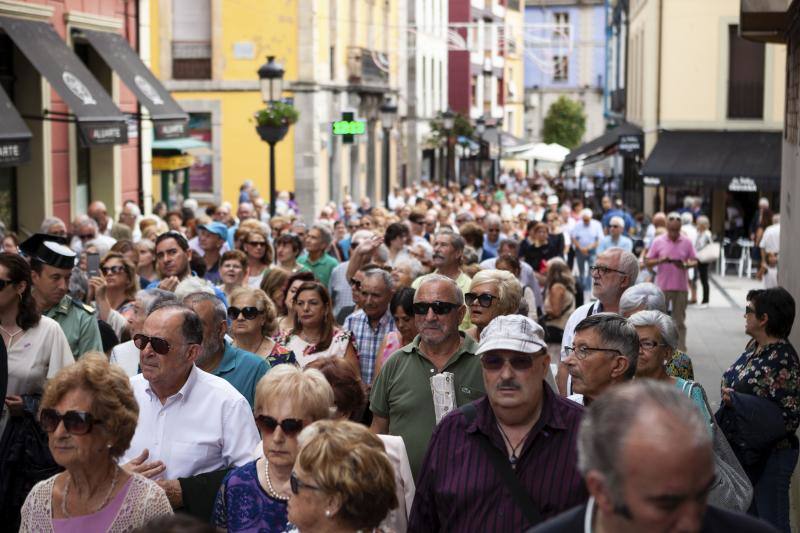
pixel 14 153
pixel 170 129
pixel 630 145
pixel 651 182
pixel 101 133
pixel 175 162
pixel 742 184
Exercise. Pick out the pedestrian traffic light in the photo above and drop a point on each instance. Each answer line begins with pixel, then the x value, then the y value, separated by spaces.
pixel 348 127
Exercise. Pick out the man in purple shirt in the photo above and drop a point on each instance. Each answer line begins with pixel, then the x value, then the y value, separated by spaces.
pixel 524 422
pixel 673 254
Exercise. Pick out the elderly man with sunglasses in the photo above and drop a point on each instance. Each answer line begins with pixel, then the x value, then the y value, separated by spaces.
pixel 401 400
pixel 516 446
pixel 190 422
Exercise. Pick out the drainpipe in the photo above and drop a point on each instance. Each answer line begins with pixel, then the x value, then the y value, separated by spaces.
pixel 659 58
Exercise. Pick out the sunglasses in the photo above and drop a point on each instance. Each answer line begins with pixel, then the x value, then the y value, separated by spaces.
pixel 116 269
pixel 747 310
pixel 355 284
pixel 296 484
pixel 160 346
pixel 86 237
pixel 4 283
pixel 256 243
pixel 484 300
pixel 439 308
pixel 75 422
pixel 290 426
pixel 492 361
pixel 249 312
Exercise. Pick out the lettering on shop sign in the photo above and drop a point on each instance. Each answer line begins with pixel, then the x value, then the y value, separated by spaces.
pixel 651 182
pixel 14 152
pixel 9 151
pixel 743 184
pixel 353 127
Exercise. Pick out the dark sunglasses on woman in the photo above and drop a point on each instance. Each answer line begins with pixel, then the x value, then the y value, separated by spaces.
pixel 249 312
pixel 160 346
pixel 116 269
pixel 290 426
pixel 484 300
pixel 75 422
pixel 439 308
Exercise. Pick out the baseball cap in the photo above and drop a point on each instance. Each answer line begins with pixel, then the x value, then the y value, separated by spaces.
pixel 552 199
pixel 512 332
pixel 217 228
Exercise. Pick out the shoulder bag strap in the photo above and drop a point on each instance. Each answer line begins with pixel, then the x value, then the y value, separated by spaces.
pixel 501 465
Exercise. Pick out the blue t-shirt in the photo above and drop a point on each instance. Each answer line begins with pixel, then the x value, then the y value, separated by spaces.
pixel 242 505
pixel 241 369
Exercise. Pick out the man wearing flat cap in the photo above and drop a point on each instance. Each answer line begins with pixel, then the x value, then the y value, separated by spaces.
pixel 51 266
pixel 515 449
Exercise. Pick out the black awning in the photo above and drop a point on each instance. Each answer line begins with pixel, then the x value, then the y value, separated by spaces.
pixel 736 160
pixel 170 120
pixel 99 120
pixel 15 137
pixel 597 148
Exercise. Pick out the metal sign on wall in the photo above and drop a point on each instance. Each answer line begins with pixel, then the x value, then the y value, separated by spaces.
pixel 630 145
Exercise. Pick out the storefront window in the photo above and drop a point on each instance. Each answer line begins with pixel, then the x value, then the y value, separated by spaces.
pixel 201 174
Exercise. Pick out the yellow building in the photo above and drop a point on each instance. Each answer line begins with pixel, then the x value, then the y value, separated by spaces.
pixel 207 53
pixel 514 75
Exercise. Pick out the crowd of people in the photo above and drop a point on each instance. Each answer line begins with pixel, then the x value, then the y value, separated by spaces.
pixel 493 358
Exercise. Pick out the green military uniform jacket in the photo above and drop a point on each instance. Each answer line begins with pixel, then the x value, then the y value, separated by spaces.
pixel 79 324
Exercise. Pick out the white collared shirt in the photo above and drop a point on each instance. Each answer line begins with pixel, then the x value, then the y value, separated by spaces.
pixel 205 426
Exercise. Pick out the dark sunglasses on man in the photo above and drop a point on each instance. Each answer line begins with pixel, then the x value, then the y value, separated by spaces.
pixel 484 300
pixel 491 361
pixel 249 312
pixel 160 346
pixel 75 422
pixel 439 308
pixel 290 426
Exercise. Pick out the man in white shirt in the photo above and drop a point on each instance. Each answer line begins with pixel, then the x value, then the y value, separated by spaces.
pixel 770 246
pixel 189 420
pixel 586 237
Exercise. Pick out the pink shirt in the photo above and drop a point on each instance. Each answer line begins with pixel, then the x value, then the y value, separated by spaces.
pixel 672 277
pixel 99 521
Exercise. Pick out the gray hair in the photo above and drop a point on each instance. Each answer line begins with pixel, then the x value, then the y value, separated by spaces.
pixel 643 295
pixel 686 218
pixel 88 222
pixel 493 218
pixel 192 327
pixel 508 242
pixel 702 220
pixel 380 273
pixel 413 264
pixel 616 333
pixel 361 235
pixel 101 244
pixel 509 289
pixel 382 253
pixel 431 278
pixel 613 415
pixel 49 222
pixel 629 264
pixel 192 284
pixel 661 321
pixel 426 248
pixel 456 240
pixel 617 220
pixel 220 312
pixel 152 297
pixel 324 232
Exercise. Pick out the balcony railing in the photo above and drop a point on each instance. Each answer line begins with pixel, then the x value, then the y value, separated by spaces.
pixel 191 60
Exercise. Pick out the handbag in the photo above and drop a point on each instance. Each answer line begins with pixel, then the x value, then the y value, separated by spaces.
pixel 501 465
pixel 708 253
pixel 732 490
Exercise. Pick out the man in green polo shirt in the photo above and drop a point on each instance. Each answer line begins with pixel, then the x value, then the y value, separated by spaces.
pixel 241 369
pixel 317 241
pixel 401 401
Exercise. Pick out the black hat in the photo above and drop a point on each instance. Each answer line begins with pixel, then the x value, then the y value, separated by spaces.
pixel 49 249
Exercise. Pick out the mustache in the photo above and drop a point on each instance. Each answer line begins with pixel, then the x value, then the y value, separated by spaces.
pixel 508 384
pixel 438 256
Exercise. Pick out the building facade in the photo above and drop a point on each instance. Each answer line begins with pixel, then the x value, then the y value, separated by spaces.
pixel 80 123
pixel 564 56
pixel 513 44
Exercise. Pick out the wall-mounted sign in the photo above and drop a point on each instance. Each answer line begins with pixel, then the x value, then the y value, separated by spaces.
pixel 175 162
pixel 651 182
pixel 630 144
pixel 743 184
pixel 348 127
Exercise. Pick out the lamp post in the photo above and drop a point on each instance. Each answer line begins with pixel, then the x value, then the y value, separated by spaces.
pixel 388 116
pixel 480 129
pixel 449 121
pixel 270 77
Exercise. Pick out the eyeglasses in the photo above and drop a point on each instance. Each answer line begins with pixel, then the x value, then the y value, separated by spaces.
pixel 582 352
pixel 674 217
pixel 603 270
pixel 256 243
pixel 75 422
pixel 355 284
pixel 649 345
pixel 86 237
pixel 492 361
pixel 484 300
pixel 614 226
pixel 249 312
pixel 4 283
pixel 439 308
pixel 296 484
pixel 290 426
pixel 160 346
pixel 116 269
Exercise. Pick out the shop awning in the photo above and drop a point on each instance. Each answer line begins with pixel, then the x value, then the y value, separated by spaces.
pixel 187 145
pixel 15 137
pixel 736 160
pixel 168 118
pixel 98 118
pixel 603 145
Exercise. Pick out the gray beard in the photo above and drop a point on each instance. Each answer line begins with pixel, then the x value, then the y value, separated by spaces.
pixel 211 348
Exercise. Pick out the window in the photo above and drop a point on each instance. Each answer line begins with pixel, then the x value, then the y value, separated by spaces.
pixel 201 173
pixel 561 19
pixel 560 68
pixel 745 77
pixel 8 175
pixel 473 89
pixel 191 39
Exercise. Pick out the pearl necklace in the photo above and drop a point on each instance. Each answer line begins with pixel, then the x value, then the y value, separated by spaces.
pixel 105 501
pixel 272 492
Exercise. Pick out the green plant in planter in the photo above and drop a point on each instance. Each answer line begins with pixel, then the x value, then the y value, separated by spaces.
pixel 277 114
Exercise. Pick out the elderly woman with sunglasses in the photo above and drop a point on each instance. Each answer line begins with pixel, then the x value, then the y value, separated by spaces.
pixel 90 414
pixel 254 497
pixel 253 323
pixel 259 256
pixel 114 291
pixel 492 293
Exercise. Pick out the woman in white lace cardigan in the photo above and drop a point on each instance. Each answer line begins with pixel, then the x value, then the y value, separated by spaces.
pixel 89 411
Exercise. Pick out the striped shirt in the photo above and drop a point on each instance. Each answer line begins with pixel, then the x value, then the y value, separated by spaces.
pixel 459 488
pixel 368 339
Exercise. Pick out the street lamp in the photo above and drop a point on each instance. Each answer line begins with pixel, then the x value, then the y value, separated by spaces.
pixel 493 128
pixel 270 78
pixel 388 116
pixel 480 129
pixel 449 122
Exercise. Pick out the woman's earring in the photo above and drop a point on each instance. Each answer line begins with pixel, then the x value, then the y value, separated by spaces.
pixel 327 513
